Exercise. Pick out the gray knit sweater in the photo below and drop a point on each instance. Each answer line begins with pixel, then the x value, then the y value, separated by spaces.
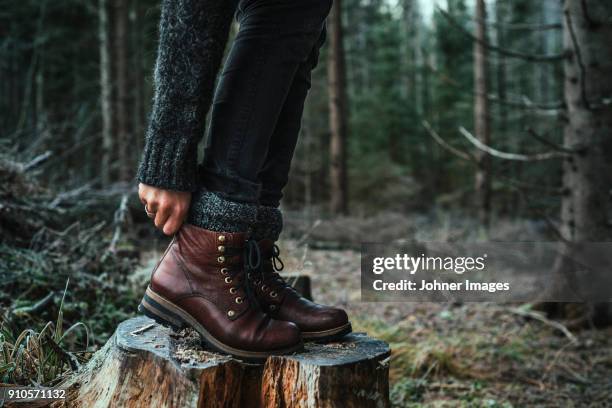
pixel 192 39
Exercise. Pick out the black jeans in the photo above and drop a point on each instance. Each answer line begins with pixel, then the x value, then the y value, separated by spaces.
pixel 259 100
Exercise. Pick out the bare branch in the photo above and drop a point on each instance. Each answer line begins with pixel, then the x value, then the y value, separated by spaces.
pixel 556 106
pixel 525 26
pixel 459 153
pixel 521 185
pixel 37 160
pixel 550 143
pixel 546 109
pixel 520 26
pixel 509 156
pixel 503 51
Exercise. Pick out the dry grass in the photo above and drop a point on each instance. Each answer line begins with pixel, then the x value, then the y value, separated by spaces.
pixel 493 359
pixel 38 357
pixel 470 355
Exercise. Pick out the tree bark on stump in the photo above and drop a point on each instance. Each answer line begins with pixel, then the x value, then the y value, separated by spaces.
pixel 147 365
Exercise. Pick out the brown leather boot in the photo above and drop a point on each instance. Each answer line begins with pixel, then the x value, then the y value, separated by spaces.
pixel 200 282
pixel 282 302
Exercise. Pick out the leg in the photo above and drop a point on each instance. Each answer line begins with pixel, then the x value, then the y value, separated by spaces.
pixel 275 172
pixel 274 294
pixel 275 39
pixel 202 280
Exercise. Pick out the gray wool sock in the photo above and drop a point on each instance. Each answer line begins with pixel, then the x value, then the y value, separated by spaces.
pixel 213 212
pixel 269 223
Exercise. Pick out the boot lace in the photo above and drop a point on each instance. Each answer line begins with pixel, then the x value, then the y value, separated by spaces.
pixel 235 274
pixel 270 277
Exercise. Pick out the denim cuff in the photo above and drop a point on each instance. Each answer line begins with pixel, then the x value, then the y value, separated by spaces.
pixel 230 187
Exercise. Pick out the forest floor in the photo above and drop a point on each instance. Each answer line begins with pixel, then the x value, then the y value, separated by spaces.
pixel 60 276
pixel 470 355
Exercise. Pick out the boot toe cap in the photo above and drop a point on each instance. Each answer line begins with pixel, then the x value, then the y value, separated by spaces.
pixel 333 317
pixel 281 335
pixel 325 318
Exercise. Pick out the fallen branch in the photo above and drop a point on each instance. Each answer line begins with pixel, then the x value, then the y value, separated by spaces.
pixel 509 156
pixel 442 142
pixel 68 195
pixel 541 318
pixel 36 307
pixel 37 160
pixel 119 221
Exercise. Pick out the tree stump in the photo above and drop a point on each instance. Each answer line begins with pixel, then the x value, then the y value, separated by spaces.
pixel 147 365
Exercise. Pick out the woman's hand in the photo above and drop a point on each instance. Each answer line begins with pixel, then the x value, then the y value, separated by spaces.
pixel 168 208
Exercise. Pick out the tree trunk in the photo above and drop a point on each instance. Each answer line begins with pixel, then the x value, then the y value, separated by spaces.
pixel 138 38
pixel 105 92
pixel 146 365
pixel 500 13
pixel 121 110
pixel 409 49
pixel 586 174
pixel 337 112
pixel 481 115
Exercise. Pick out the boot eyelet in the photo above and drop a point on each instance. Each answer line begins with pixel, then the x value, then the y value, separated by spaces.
pixel 264 287
pixel 239 300
pixel 228 280
pixel 221 248
pixel 233 290
pixel 231 313
pixel 272 307
pixel 221 238
pixel 224 271
pixel 221 259
pixel 273 294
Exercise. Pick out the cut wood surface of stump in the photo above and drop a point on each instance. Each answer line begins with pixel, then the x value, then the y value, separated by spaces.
pixel 147 365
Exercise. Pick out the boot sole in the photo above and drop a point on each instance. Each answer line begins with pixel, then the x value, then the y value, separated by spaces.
pixel 328 335
pixel 169 315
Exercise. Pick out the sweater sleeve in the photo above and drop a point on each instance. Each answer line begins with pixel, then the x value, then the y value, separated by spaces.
pixel 192 39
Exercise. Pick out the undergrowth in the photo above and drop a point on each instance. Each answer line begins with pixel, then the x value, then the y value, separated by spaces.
pixel 65 276
pixel 40 357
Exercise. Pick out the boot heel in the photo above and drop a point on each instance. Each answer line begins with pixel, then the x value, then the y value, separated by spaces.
pixel 160 314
